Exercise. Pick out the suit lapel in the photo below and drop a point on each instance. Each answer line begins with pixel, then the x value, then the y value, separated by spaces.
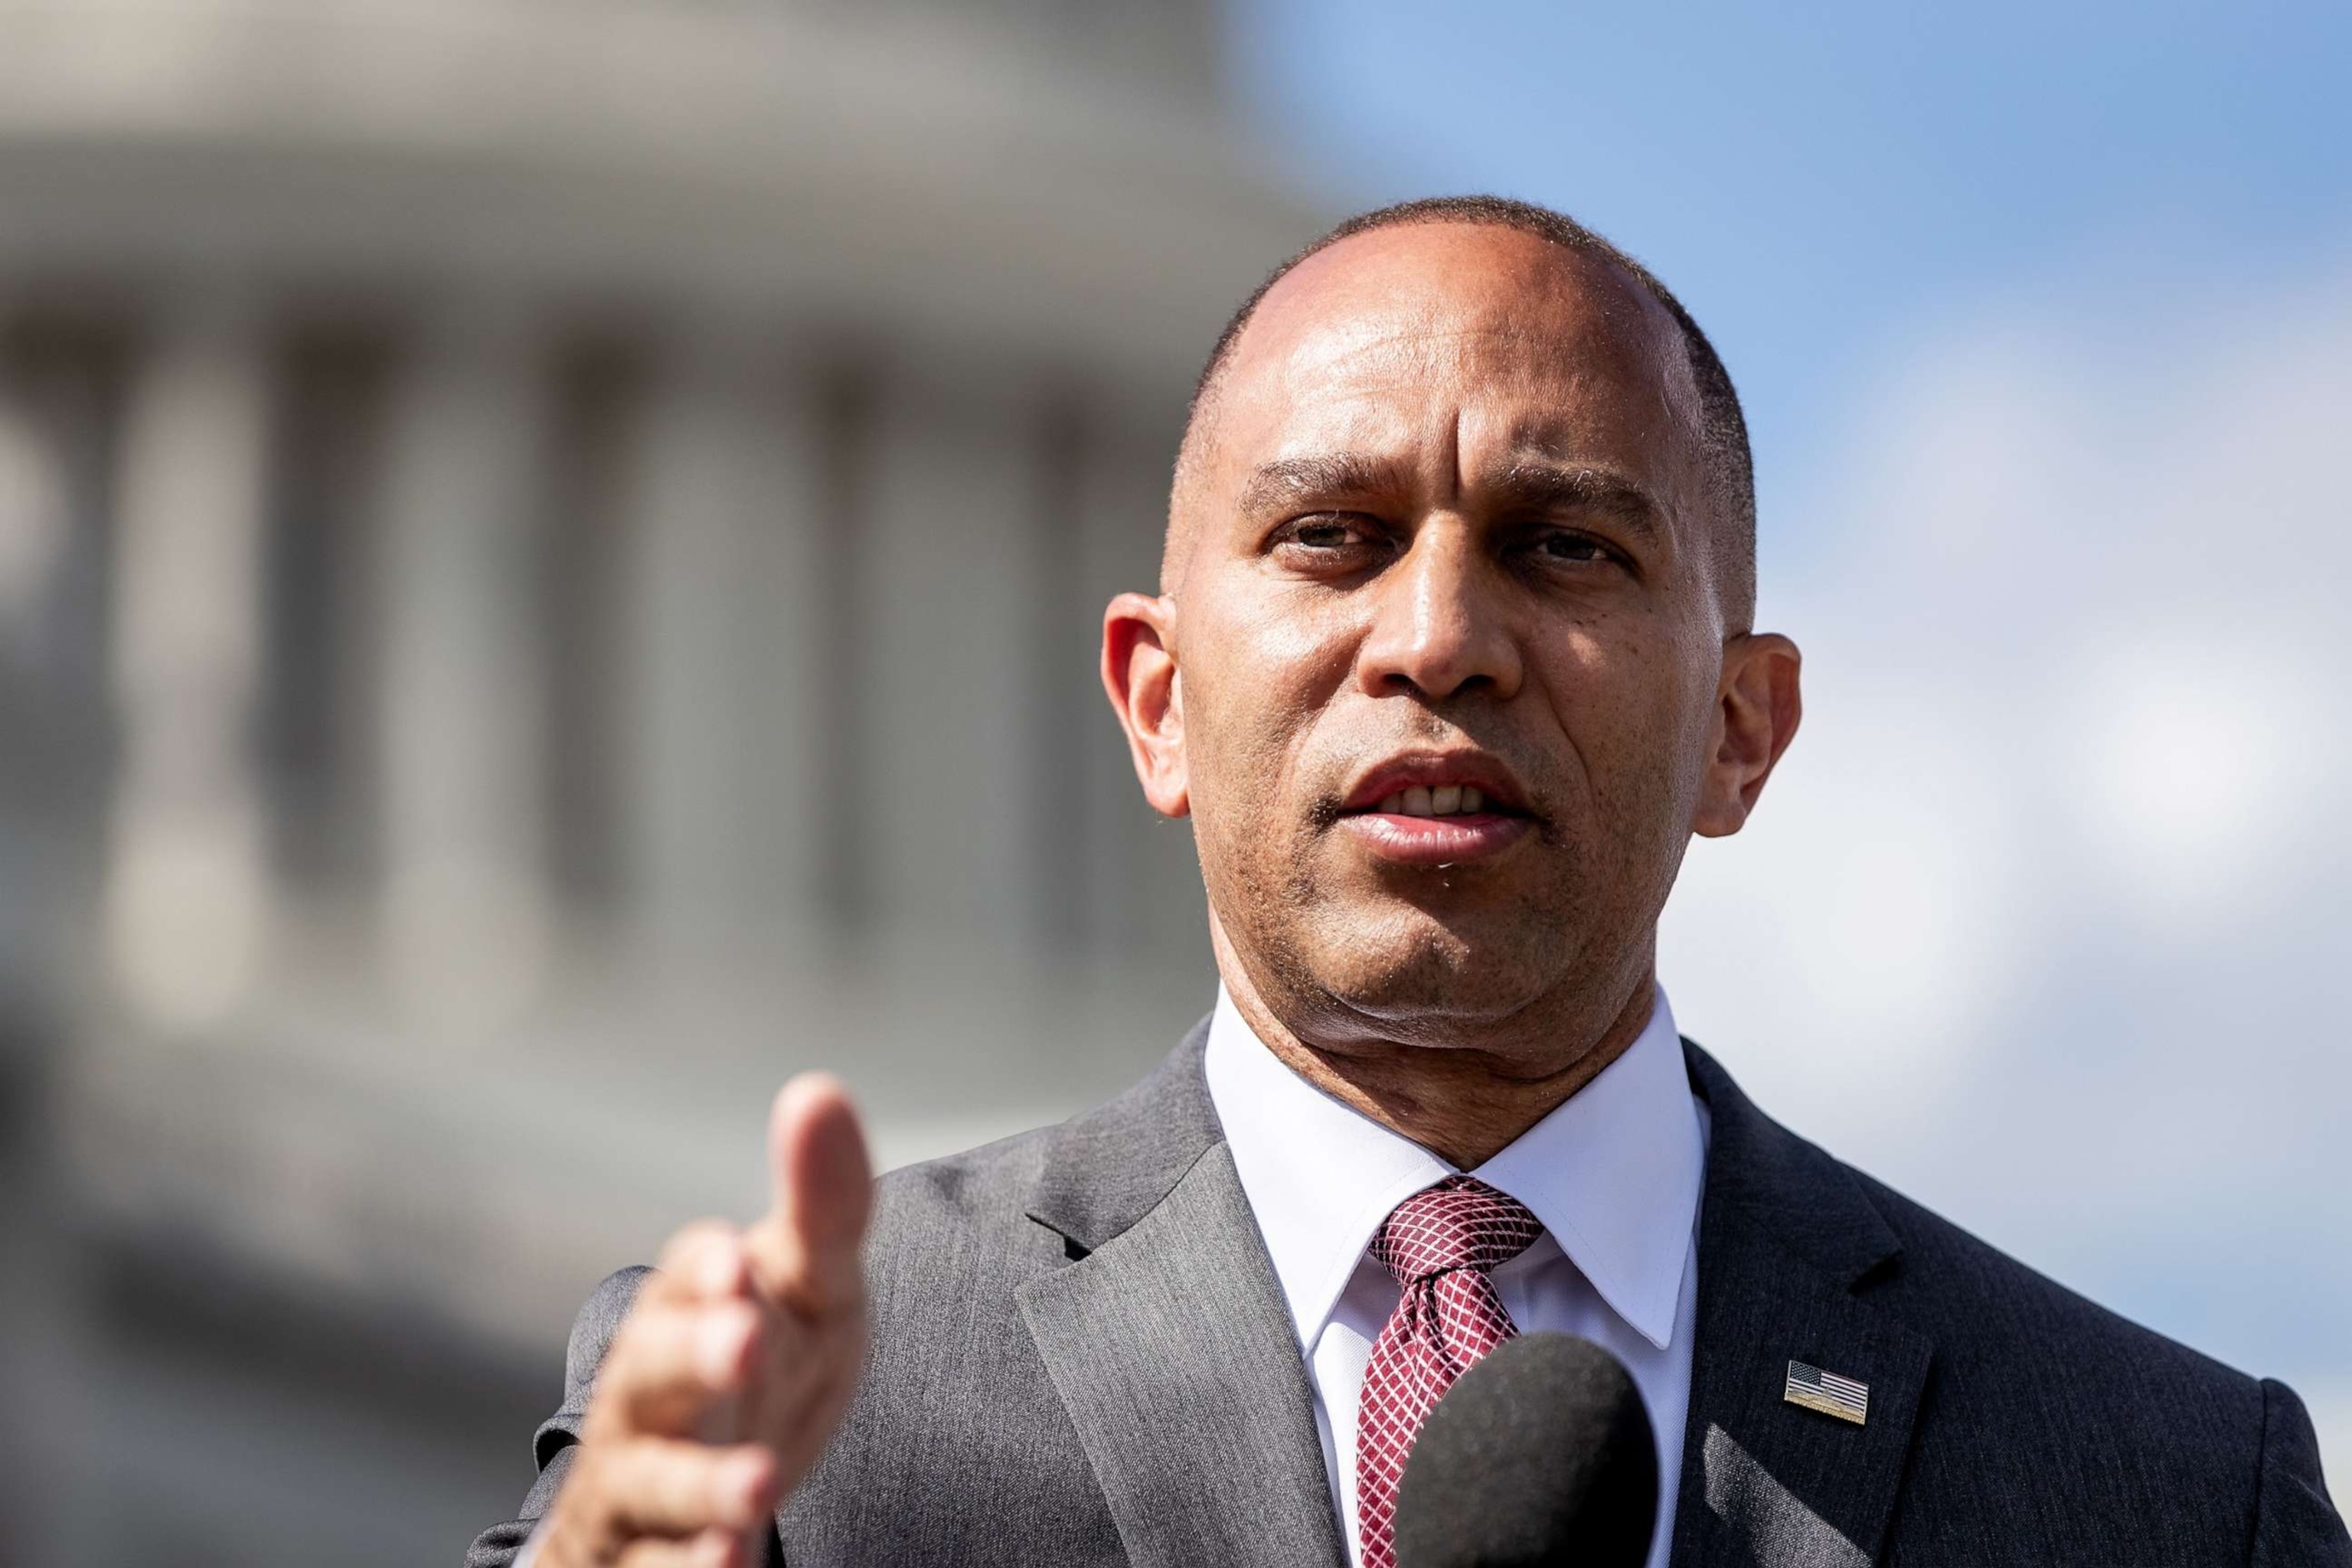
pixel 1168 1341
pixel 1789 1244
pixel 1170 1347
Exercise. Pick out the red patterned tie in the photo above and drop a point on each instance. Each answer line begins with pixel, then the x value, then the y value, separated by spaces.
pixel 1440 1244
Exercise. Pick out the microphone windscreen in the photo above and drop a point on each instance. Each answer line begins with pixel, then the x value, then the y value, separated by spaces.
pixel 1539 1455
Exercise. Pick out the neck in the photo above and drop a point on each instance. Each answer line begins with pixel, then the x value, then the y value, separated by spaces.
pixel 1464 1103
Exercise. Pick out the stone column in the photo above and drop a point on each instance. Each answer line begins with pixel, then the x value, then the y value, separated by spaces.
pixel 947 596
pixel 187 900
pixel 731 793
pixel 465 918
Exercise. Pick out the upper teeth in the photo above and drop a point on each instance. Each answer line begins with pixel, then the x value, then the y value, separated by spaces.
pixel 1445 800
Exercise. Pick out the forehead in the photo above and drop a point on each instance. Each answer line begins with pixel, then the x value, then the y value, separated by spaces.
pixel 1381 335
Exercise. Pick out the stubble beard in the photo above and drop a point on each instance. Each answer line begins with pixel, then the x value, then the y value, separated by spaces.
pixel 1368 963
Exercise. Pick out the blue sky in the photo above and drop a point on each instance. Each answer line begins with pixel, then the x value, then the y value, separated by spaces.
pixel 2043 321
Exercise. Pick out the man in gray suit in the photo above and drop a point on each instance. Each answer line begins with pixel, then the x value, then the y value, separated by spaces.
pixel 1453 652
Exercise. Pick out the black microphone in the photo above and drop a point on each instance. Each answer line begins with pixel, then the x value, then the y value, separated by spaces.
pixel 1539 1457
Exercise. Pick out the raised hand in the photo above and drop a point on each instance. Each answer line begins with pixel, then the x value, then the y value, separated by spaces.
pixel 728 1377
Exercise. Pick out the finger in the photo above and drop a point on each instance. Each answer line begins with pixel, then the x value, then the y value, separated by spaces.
pixel 711 1549
pixel 672 1363
pixel 660 1487
pixel 806 1249
pixel 802 1400
pixel 706 1262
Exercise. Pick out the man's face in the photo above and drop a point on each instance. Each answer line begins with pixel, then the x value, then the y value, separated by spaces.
pixel 1446 632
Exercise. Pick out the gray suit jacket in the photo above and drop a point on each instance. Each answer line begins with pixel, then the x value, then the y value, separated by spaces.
pixel 1080 1355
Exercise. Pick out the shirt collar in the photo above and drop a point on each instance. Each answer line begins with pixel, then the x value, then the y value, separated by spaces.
pixel 1613 1173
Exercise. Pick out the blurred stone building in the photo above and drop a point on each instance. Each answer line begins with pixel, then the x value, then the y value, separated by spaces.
pixel 549 559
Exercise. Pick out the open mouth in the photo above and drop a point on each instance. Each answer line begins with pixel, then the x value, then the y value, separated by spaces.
pixel 1434 800
pixel 1436 811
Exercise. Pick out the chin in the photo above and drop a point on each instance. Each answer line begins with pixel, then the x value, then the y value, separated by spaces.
pixel 1416 968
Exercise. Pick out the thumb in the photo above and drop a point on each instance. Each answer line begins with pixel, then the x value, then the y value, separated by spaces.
pixel 822 1185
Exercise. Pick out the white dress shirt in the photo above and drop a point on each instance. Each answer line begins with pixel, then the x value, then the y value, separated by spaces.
pixel 1613 1173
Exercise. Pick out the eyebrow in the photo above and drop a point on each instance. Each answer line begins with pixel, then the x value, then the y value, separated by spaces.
pixel 1526 484
pixel 1535 484
pixel 1292 481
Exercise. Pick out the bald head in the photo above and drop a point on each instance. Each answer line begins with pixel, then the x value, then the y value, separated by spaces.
pixel 1699 390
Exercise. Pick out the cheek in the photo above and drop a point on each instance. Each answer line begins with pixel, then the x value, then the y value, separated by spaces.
pixel 1255 686
pixel 1632 706
pixel 1293 639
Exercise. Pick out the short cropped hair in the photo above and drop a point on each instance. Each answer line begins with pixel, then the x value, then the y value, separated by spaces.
pixel 1723 427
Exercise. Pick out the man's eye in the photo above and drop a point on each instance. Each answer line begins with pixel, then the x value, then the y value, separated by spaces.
pixel 1572 547
pixel 1323 533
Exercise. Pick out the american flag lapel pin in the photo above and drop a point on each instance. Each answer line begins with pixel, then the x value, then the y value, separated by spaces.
pixel 1846 1398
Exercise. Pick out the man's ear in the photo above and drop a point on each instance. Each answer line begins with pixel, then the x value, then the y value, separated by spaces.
pixel 1756 712
pixel 1139 671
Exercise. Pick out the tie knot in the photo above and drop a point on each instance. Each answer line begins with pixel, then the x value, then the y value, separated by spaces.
pixel 1459 1222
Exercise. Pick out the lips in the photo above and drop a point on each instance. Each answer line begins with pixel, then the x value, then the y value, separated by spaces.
pixel 1438 785
pixel 1437 810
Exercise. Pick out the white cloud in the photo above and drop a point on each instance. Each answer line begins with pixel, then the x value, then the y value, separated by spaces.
pixel 2046 918
pixel 2196 771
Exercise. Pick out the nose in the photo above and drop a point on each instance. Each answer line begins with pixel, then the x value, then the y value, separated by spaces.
pixel 1440 622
